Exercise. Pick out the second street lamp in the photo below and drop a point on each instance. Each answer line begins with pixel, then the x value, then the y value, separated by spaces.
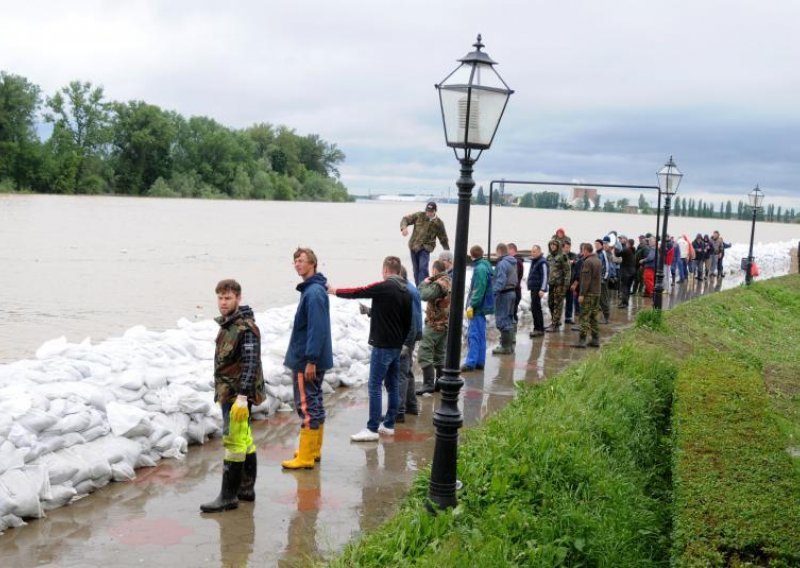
pixel 473 98
pixel 756 198
pixel 669 178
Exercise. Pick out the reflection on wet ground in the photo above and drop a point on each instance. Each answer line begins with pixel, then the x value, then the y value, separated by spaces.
pixel 298 516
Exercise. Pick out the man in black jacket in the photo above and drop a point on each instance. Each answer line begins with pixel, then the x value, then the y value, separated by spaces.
pixel 389 326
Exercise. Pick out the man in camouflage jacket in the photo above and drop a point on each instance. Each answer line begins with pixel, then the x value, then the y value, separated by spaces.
pixel 560 273
pixel 435 290
pixel 238 381
pixel 427 228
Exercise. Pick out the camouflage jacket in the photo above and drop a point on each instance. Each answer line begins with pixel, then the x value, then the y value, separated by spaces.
pixel 437 294
pixel 426 231
pixel 560 271
pixel 230 355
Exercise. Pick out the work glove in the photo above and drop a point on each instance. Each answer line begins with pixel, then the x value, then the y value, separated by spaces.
pixel 239 412
pixel 470 313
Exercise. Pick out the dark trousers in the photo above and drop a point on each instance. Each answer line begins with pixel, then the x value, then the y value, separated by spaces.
pixel 408 397
pixel 419 261
pixel 604 299
pixel 308 398
pixel 536 311
pixel 625 282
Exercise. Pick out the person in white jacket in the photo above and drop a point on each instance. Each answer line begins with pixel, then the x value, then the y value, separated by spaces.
pixel 686 256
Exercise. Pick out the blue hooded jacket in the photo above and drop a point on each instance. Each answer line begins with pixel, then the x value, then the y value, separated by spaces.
pixel 311 333
pixel 505 274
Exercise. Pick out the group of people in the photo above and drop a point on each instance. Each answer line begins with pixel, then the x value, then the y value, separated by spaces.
pixel 574 284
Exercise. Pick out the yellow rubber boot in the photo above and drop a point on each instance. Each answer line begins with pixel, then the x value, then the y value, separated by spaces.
pixel 317 443
pixel 305 455
pixel 318 451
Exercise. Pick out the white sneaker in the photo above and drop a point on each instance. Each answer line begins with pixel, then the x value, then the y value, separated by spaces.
pixel 366 435
pixel 386 431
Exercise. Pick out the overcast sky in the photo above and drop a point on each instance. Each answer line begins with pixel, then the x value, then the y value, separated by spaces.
pixel 606 90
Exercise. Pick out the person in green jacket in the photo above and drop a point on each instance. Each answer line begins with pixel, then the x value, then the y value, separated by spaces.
pixel 480 301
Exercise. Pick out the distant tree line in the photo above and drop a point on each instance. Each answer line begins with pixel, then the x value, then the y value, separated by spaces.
pixel 135 148
pixel 681 207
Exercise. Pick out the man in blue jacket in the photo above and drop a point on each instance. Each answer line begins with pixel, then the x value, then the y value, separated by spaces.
pixel 309 355
pixel 505 284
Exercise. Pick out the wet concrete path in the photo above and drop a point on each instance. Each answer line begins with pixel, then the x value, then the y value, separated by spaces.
pixel 298 517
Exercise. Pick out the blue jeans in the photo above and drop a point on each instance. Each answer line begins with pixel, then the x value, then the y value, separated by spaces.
pixel 503 305
pixel 476 341
pixel 384 369
pixel 308 399
pixel 419 261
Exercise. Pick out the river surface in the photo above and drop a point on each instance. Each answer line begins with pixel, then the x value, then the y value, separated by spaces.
pixel 85 266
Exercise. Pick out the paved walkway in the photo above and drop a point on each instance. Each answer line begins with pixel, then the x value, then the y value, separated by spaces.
pixel 298 516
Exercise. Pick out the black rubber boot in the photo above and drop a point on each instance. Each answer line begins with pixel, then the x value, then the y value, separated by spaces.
pixel 247 491
pixel 595 342
pixel 231 480
pixel 439 375
pixel 427 381
pixel 581 343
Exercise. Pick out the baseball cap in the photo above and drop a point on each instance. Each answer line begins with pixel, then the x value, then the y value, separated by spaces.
pixel 431 206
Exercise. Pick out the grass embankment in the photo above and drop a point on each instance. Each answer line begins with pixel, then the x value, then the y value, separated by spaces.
pixel 580 471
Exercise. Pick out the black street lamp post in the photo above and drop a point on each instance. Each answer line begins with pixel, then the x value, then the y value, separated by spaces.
pixel 669 178
pixel 473 98
pixel 756 198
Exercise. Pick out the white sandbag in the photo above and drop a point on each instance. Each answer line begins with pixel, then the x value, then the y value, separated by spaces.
pixel 127 420
pixel 21 437
pixel 96 432
pixel 5 426
pixel 10 521
pixel 74 422
pixel 10 456
pixel 36 420
pixel 72 439
pixel 60 496
pixel 19 493
pixel 60 469
pixel 122 472
pixel 52 348
pixel 130 379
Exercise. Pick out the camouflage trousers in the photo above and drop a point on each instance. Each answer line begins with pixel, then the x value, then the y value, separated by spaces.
pixel 555 302
pixel 432 348
pixel 590 311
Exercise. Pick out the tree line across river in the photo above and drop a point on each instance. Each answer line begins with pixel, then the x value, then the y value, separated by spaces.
pixel 99 146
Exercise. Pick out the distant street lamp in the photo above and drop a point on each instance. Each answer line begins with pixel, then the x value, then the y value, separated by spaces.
pixel 669 178
pixel 756 198
pixel 473 98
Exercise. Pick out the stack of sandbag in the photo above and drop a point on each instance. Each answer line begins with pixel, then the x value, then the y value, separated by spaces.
pixel 81 415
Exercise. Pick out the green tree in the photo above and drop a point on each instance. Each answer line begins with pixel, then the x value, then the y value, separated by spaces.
pixel 20 154
pixel 81 134
pixel 644 206
pixel 481 198
pixel 142 137
pixel 241 187
pixel 546 200
pixel 586 205
pixel 728 209
pixel 597 203
pixel 527 200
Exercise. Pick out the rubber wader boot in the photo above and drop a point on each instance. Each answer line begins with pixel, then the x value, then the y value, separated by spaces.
pixel 439 375
pixel 317 446
pixel 305 455
pixel 505 347
pixel 427 381
pixel 247 490
pixel 581 342
pixel 231 480
pixel 595 342
pixel 514 335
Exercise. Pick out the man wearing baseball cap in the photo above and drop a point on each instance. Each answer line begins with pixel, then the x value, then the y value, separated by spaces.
pixel 427 228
